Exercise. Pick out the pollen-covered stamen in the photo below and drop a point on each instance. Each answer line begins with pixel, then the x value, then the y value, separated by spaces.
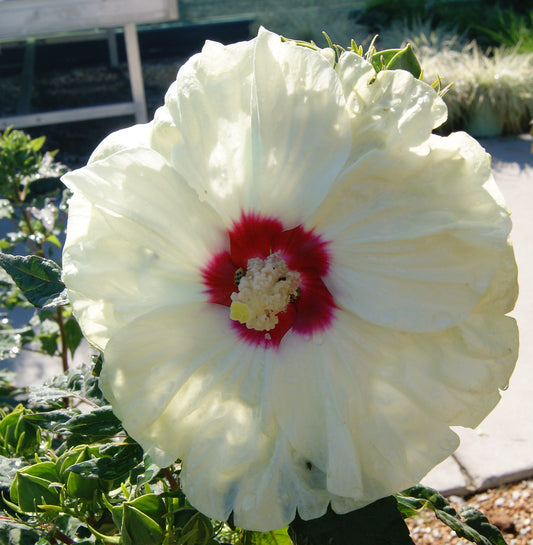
pixel 265 290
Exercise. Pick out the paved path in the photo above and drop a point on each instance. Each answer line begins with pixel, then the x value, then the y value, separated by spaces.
pixel 501 449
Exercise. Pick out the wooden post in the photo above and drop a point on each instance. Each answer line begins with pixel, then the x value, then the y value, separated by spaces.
pixel 135 70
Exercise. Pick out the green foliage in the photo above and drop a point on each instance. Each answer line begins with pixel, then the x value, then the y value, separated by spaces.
pixel 142 521
pixel 379 523
pixel 513 30
pixel 277 537
pixel 397 59
pixel 35 487
pixel 20 159
pixel 469 523
pixel 459 14
pixel 34 204
pixel 38 278
pixel 18 435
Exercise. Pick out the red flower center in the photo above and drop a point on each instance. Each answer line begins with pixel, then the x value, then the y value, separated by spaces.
pixel 271 278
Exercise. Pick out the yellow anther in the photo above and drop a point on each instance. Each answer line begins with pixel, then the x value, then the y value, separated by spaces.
pixel 239 312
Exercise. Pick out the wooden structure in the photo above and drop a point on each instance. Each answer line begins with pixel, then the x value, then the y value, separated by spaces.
pixel 34 19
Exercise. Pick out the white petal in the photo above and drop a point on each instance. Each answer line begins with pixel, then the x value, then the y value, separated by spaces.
pixel 416 237
pixel 204 399
pixel 502 293
pixel 210 103
pixel 269 133
pixel 207 399
pixel 165 135
pixel 300 129
pixel 129 246
pixel 371 407
pixel 388 110
pixel 123 139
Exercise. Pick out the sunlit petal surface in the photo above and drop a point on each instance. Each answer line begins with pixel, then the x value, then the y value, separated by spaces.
pixel 298 288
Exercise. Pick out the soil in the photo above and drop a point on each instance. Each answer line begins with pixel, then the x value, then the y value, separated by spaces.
pixel 509 507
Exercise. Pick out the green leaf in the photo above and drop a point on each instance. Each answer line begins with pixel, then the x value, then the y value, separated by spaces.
pixel 38 278
pixel 397 59
pixel 76 382
pixel 54 240
pixel 138 528
pixel 98 424
pixel 78 486
pixel 197 529
pixel 18 436
pixel 35 485
pixel 50 419
pixel 479 522
pixel 115 461
pixel 48 343
pixel 37 143
pixel 73 334
pixel 469 524
pixel 379 523
pixel 277 537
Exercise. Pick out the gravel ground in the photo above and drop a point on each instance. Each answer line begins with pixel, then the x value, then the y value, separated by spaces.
pixel 509 507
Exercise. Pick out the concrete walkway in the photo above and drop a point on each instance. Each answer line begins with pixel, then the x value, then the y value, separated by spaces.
pixel 501 449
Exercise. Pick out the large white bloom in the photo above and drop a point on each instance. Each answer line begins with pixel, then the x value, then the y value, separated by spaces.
pixel 296 286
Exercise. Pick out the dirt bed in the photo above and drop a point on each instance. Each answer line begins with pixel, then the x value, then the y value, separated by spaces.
pixel 510 507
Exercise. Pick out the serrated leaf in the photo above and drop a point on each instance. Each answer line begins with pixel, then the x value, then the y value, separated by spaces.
pixel 379 523
pixel 50 419
pixel 475 527
pixel 98 424
pixel 75 382
pixel 479 522
pixel 114 463
pixel 38 278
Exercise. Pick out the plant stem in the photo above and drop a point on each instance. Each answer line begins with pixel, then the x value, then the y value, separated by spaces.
pixel 64 347
pixel 173 483
pixel 37 249
pixel 60 536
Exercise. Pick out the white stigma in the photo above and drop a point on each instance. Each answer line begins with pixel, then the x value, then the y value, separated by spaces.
pixel 264 291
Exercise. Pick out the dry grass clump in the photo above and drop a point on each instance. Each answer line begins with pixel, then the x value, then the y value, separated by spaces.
pixel 492 92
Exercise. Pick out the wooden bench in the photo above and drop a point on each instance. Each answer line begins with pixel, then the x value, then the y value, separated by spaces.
pixel 34 19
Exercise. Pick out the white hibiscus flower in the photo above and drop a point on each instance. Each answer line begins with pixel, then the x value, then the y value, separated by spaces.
pixel 296 286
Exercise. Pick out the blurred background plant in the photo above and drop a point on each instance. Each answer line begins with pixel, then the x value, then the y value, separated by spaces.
pixel 492 90
pixel 512 30
pixel 33 207
pixel 489 65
